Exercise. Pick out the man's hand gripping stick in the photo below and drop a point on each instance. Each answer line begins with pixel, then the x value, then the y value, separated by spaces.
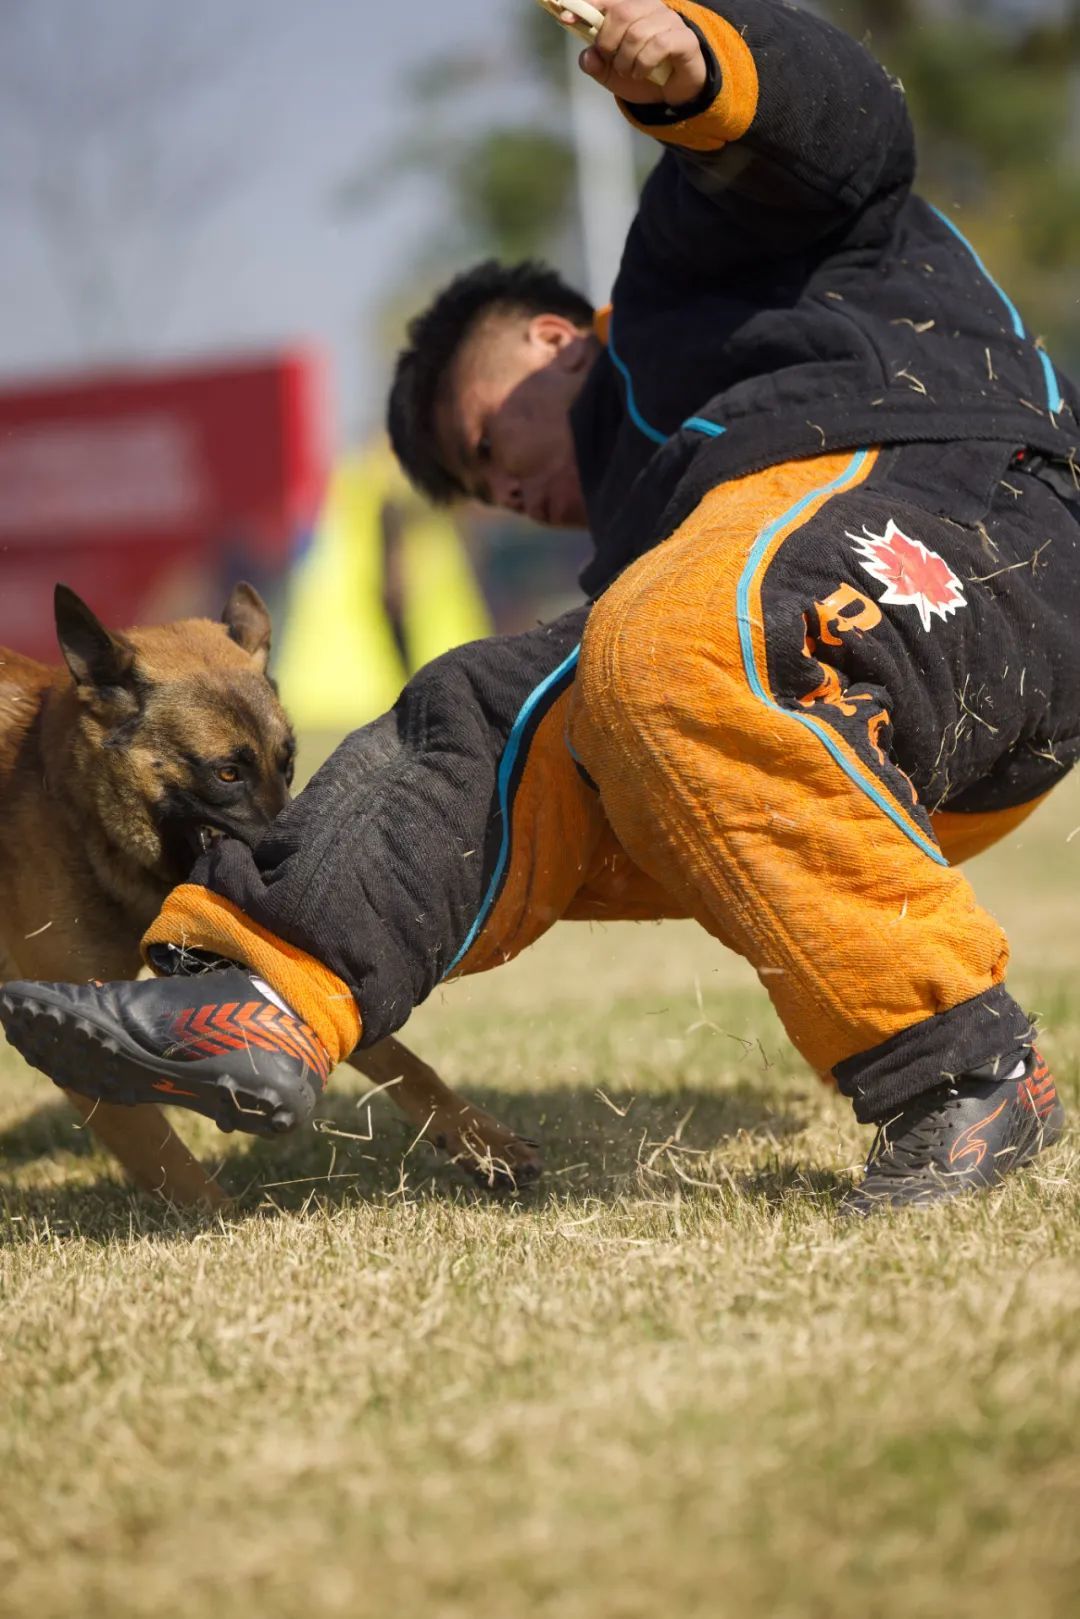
pixel 586 22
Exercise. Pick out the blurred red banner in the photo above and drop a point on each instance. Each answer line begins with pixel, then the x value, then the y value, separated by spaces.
pixel 150 492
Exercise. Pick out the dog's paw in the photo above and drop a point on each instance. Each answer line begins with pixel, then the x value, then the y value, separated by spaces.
pixel 491 1155
pixel 509 1167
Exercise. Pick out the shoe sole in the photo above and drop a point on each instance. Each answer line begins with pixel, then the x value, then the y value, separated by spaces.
pixel 105 1065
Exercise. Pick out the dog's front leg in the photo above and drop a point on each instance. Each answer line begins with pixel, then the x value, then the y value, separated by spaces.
pixel 493 1155
pixel 151 1152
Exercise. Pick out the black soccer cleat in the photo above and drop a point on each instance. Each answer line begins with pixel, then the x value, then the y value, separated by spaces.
pixel 962 1136
pixel 212 1043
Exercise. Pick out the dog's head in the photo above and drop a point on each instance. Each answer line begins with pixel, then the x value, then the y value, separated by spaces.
pixel 179 734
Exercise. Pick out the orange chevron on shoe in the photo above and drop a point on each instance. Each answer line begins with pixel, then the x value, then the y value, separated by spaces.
pixel 293 1036
pixel 236 1026
pixel 1038 1092
pixel 191 1028
pixel 1041 1102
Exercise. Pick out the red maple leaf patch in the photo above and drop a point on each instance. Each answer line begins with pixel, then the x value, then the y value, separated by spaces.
pixel 913 576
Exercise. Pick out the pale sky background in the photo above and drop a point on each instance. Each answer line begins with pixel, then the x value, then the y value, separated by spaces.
pixel 297 97
pixel 108 157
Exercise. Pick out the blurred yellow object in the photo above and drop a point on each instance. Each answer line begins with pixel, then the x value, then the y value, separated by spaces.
pixel 343 659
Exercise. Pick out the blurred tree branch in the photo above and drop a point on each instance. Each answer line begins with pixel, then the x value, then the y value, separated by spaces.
pixel 510 186
pixel 102 155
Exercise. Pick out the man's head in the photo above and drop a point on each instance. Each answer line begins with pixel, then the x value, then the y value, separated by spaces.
pixel 480 404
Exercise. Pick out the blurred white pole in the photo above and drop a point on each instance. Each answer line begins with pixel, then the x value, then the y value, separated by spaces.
pixel 607 186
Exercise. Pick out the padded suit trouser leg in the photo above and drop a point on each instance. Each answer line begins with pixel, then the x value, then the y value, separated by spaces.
pixel 755 784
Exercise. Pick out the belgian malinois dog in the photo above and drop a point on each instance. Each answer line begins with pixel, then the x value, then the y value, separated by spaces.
pixel 116 771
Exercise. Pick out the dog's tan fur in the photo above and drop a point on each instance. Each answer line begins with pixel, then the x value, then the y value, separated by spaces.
pixel 89 753
pixel 83 864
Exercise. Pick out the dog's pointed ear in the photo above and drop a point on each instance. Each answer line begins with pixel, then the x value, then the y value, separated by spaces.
pixel 248 622
pixel 99 659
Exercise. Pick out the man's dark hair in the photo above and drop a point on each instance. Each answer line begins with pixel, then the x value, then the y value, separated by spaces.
pixel 435 338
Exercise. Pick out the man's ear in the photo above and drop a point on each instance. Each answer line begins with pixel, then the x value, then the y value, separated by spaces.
pixel 100 661
pixel 248 623
pixel 554 332
pixel 566 344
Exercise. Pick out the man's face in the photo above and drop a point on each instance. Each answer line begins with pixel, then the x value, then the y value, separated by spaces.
pixel 503 421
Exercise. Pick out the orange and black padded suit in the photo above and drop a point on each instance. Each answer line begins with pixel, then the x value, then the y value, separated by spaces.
pixel 762 311
pixel 696 757
pixel 572 868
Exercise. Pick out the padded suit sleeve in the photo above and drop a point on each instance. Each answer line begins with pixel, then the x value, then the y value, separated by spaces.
pixel 804 132
pixel 385 867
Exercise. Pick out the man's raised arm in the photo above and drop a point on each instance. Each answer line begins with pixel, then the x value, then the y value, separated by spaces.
pixel 780 127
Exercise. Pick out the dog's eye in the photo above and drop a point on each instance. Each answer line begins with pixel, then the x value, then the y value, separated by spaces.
pixel 227 773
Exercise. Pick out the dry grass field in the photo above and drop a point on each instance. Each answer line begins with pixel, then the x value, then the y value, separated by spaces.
pixel 668 1383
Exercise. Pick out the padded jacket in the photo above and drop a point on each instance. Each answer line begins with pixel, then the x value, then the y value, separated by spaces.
pixel 784 292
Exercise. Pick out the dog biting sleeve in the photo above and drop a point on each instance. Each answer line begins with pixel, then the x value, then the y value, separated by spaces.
pixel 439 839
